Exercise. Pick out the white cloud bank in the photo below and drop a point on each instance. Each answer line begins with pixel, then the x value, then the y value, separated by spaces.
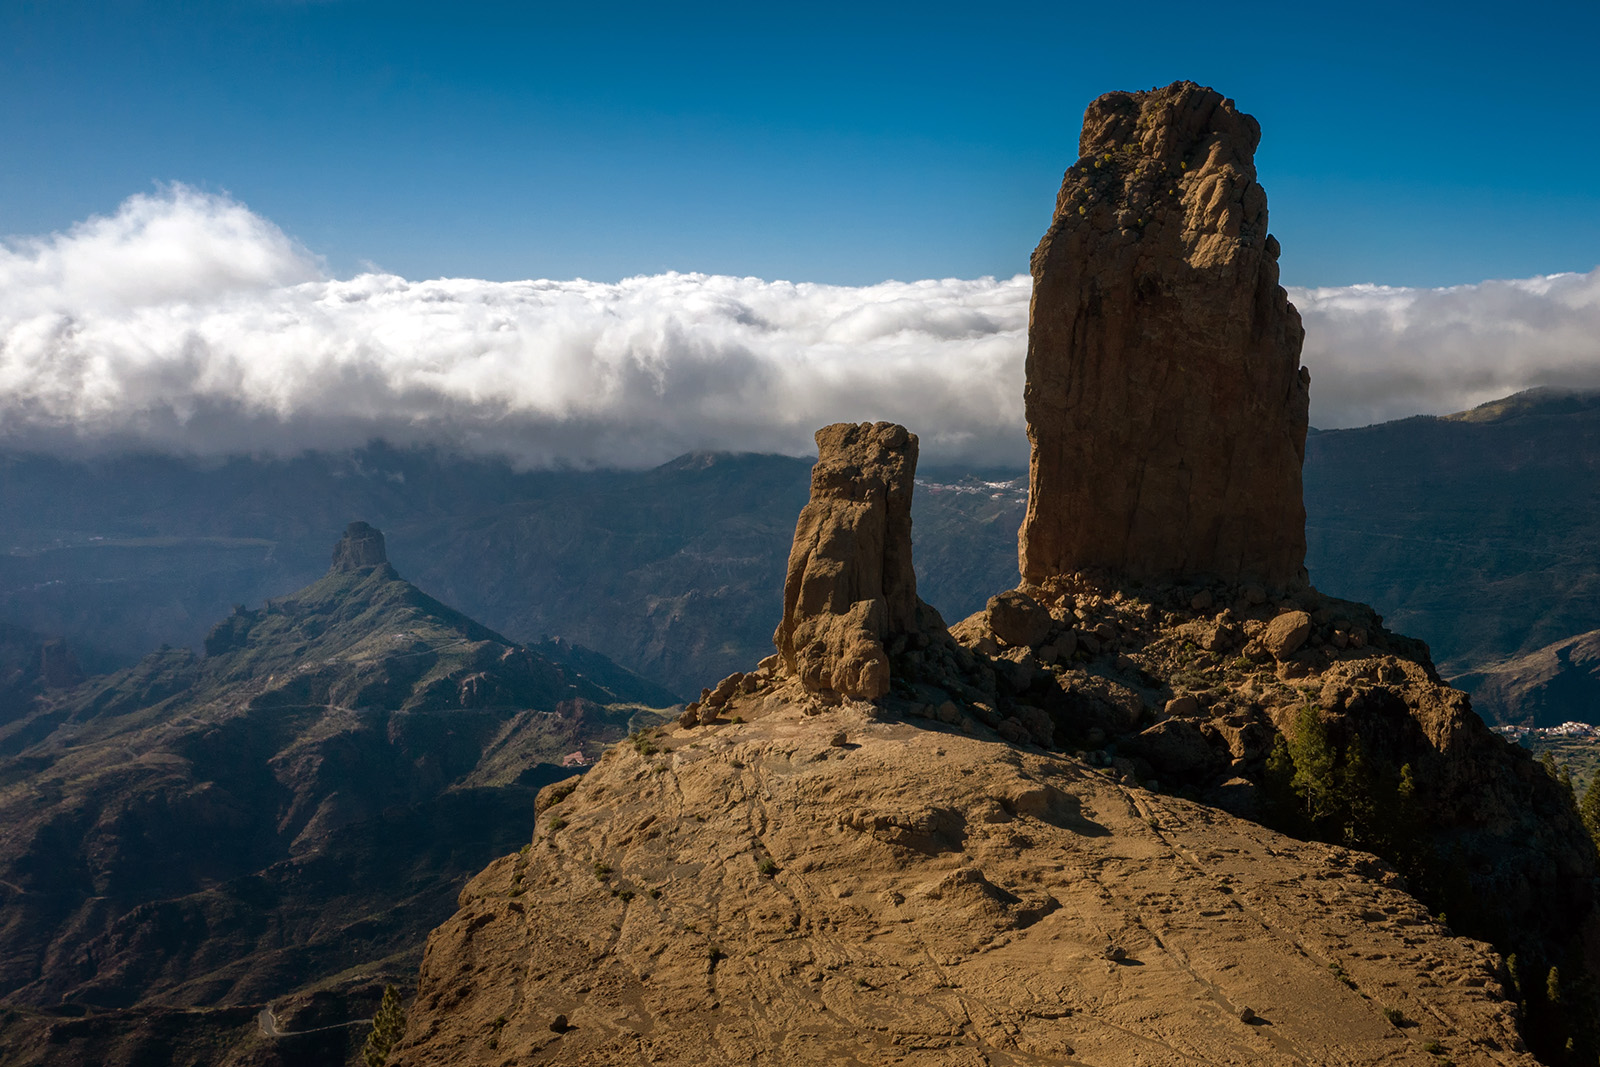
pixel 186 323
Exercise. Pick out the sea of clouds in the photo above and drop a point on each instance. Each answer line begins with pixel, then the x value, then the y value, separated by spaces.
pixel 187 323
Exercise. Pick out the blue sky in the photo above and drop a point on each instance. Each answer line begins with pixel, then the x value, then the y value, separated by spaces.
pixel 841 143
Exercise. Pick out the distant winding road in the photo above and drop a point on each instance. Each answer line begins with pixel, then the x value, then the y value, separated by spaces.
pixel 268 1022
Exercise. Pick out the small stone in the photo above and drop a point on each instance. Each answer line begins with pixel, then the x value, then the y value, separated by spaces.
pixel 1202 600
pixel 1246 1015
pixel 559 1025
pixel 985 714
pixel 1115 953
pixel 1039 724
pixel 839 739
pixel 1013 731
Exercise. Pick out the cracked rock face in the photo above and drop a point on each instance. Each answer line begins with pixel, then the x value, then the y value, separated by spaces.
pixel 1166 404
pixel 850 588
pixel 773 893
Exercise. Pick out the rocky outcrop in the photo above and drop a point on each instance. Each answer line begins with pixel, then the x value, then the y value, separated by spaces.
pixel 1193 689
pixel 360 547
pixel 924 875
pixel 853 888
pixel 850 588
pixel 1165 400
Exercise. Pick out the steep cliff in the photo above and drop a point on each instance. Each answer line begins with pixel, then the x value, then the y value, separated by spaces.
pixel 1165 399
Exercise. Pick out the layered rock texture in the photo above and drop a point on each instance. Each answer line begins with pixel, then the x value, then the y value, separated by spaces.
pixel 850 589
pixel 1165 400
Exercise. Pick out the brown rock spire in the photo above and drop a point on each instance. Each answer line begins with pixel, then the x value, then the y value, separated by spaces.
pixel 850 588
pixel 1165 399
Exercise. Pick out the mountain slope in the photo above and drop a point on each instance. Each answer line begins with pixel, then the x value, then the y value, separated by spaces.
pixel 1471 532
pixel 301 801
pixel 1546 687
pixel 1474 532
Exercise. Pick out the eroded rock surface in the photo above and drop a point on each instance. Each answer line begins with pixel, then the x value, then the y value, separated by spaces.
pixel 845 889
pixel 1165 400
pixel 1196 700
pixel 850 588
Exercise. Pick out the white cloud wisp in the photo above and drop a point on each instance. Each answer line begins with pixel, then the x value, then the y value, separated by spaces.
pixel 186 323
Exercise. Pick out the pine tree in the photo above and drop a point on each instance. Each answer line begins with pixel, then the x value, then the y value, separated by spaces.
pixel 1590 809
pixel 1280 779
pixel 1313 766
pixel 387 1026
pixel 1355 801
pixel 1407 789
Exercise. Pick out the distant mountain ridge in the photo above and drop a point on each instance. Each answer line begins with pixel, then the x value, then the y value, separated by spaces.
pixel 669 571
pixel 1472 531
pixel 303 800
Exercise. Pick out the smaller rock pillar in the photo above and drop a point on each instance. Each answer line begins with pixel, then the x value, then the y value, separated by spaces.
pixel 850 588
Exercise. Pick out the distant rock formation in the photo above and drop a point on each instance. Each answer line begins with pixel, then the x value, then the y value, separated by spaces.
pixel 1166 404
pixel 361 546
pixel 850 588
pixel 58 665
pixel 351 751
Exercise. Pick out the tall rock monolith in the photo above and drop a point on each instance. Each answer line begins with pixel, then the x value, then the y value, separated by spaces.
pixel 850 588
pixel 1166 404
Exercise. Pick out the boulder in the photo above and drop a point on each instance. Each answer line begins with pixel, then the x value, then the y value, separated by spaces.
pixel 850 589
pixel 1166 404
pixel 1285 634
pixel 1177 748
pixel 1016 619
